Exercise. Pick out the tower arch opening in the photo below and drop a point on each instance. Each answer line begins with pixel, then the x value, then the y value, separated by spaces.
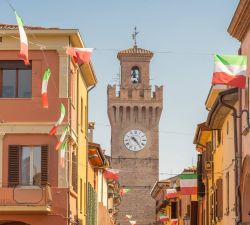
pixel 135 75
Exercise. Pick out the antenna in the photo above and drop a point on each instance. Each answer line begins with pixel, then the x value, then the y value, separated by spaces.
pixel 134 37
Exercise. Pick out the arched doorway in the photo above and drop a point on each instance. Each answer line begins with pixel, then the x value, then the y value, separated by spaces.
pixel 245 190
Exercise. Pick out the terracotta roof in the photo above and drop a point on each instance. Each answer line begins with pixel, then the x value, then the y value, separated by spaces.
pixel 15 27
pixel 135 52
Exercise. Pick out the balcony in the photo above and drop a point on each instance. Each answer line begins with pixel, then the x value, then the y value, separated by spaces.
pixel 25 200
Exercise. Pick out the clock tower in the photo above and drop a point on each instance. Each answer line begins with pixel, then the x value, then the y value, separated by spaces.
pixel 134 112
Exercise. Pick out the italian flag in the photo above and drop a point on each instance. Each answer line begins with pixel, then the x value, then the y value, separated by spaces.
pixel 80 55
pixel 132 222
pixel 171 193
pixel 174 221
pixel 63 154
pixel 230 70
pixel 62 138
pixel 45 82
pixel 23 41
pixel 188 184
pixel 124 191
pixel 59 122
pixel 128 217
pixel 163 217
pixel 111 174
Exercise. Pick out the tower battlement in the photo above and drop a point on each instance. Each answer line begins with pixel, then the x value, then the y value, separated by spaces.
pixel 135 94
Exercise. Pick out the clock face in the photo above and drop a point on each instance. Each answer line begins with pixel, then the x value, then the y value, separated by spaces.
pixel 135 140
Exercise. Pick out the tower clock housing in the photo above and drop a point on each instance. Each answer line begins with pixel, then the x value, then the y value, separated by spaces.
pixel 134 112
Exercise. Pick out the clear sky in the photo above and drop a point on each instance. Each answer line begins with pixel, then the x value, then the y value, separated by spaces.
pixel 188 31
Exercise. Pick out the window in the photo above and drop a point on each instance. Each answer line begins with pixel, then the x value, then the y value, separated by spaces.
pixel 92 206
pixel 31 165
pixel 227 193
pixel 15 79
pixel 86 119
pixel 81 119
pixel 227 127
pixel 81 195
pixel 218 138
pixel 247 93
pixel 219 198
pixel 74 170
pixel 174 210
pixel 27 165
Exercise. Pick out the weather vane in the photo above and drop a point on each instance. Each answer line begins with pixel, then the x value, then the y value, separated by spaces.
pixel 134 37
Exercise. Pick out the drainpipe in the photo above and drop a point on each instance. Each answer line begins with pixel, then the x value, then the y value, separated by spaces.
pixel 237 155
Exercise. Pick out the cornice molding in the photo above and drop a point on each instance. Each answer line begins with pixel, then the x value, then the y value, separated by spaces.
pixel 240 22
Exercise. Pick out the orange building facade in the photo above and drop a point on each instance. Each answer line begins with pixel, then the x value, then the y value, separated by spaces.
pixel 35 187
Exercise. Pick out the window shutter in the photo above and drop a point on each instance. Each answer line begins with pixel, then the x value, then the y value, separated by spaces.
pixel 14 165
pixel 44 165
pixel 219 212
pixel 74 171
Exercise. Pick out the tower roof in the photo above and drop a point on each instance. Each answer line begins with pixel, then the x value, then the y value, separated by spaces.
pixel 135 52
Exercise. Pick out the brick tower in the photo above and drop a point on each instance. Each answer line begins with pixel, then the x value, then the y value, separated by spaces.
pixel 134 115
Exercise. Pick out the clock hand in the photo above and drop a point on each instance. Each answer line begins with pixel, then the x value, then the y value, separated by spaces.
pixel 137 142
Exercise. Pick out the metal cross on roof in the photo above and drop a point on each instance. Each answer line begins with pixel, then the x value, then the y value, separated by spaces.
pixel 134 37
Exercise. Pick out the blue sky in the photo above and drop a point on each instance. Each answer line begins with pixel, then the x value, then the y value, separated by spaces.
pixel 190 30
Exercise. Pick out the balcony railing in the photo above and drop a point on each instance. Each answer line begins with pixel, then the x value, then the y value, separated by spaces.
pixel 25 199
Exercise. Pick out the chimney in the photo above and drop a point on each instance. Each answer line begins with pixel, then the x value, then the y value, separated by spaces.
pixel 91 127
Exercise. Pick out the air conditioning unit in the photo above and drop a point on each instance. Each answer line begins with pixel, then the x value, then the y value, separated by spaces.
pixel 208 165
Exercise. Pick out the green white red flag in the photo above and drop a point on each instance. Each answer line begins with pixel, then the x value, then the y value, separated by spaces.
pixel 128 217
pixel 23 41
pixel 174 221
pixel 63 154
pixel 171 193
pixel 111 174
pixel 188 183
pixel 62 138
pixel 230 70
pixel 124 191
pixel 163 217
pixel 80 55
pixel 59 122
pixel 45 82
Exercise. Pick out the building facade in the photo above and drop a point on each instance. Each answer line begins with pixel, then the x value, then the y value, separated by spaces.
pixel 134 115
pixel 223 142
pixel 103 193
pixel 173 208
pixel 240 30
pixel 215 142
pixel 35 186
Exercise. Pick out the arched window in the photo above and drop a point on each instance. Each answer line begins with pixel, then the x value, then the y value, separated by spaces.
pixel 135 75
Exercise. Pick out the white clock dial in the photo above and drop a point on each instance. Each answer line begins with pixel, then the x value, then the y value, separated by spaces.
pixel 135 140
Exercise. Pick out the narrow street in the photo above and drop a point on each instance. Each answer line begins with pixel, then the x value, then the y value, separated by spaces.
pixel 124 112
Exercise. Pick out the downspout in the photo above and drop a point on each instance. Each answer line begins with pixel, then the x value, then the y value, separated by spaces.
pixel 237 158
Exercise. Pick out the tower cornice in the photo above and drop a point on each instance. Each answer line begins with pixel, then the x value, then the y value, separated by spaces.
pixel 135 52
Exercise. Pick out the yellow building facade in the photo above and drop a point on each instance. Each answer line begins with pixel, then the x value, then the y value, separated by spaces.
pixel 82 80
pixel 215 141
